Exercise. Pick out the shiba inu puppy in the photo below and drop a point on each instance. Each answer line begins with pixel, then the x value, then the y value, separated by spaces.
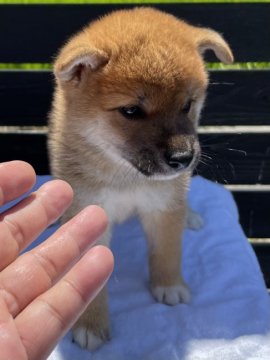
pixel 123 133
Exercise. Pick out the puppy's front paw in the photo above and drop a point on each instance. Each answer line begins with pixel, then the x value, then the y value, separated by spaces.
pixel 86 338
pixel 194 220
pixel 172 295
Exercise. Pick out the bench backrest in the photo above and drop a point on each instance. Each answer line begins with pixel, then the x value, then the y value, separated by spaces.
pixel 235 126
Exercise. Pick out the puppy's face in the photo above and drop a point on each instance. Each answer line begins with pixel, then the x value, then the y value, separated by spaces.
pixel 148 117
pixel 137 96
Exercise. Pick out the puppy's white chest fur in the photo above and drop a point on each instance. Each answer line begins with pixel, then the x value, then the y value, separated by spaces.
pixel 121 204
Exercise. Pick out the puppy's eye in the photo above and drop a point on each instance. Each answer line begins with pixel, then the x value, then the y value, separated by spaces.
pixel 132 112
pixel 187 107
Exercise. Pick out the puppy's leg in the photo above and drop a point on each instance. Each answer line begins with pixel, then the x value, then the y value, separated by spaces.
pixel 164 231
pixel 93 329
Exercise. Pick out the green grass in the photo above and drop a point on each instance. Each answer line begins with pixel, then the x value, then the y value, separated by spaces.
pixel 40 2
pixel 213 66
pixel 34 66
pixel 240 66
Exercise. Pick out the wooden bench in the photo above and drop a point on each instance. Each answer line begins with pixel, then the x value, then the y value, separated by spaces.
pixel 235 126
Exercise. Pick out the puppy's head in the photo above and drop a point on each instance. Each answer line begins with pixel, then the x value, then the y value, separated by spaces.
pixel 134 83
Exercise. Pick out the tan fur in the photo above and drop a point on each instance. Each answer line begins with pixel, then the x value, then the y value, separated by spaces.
pixel 95 319
pixel 160 226
pixel 149 59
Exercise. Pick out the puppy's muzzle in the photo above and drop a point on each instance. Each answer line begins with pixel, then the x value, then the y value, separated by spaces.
pixel 178 160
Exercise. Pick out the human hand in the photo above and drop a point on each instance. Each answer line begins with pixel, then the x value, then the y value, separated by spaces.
pixel 43 291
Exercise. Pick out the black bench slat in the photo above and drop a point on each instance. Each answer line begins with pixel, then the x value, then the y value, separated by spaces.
pixel 41 29
pixel 254 210
pixel 25 97
pixel 235 158
pixel 238 98
pixel 262 252
pixel 234 98
pixel 28 147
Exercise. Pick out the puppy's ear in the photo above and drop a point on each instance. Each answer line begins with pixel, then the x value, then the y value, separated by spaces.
pixel 207 39
pixel 75 58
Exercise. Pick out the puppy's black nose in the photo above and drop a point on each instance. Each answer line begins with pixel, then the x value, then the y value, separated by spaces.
pixel 179 160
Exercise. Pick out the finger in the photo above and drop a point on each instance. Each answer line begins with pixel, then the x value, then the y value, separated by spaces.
pixel 16 178
pixel 56 310
pixel 24 222
pixel 10 341
pixel 36 271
